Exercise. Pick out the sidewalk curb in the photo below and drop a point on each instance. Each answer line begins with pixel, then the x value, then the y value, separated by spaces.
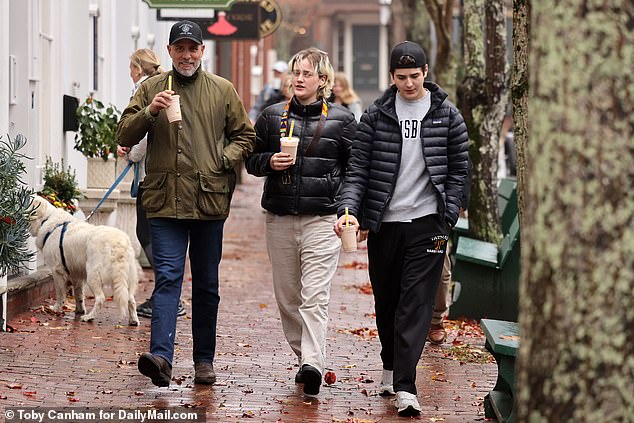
pixel 26 291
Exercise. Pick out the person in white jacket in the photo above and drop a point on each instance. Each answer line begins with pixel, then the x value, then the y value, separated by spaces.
pixel 144 64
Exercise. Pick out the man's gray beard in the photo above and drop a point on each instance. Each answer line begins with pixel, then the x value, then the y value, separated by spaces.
pixel 188 73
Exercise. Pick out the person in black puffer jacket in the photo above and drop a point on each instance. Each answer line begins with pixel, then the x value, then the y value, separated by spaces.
pixel 405 179
pixel 301 200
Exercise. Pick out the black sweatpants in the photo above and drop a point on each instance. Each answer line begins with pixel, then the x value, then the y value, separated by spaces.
pixel 405 265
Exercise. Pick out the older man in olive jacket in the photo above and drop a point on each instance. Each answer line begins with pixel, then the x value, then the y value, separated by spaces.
pixel 186 192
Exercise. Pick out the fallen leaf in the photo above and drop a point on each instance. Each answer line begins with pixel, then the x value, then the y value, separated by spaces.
pixel 191 405
pixel 361 332
pixel 73 399
pixel 365 288
pixel 139 393
pixel 70 393
pixel 262 305
pixel 240 344
pixel 355 265
pixel 14 386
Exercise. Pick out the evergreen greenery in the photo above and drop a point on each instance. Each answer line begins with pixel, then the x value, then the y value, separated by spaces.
pixel 15 200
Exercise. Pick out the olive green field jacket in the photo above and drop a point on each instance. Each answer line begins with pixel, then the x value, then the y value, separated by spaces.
pixel 189 164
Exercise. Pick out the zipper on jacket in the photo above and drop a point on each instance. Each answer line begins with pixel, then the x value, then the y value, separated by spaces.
pixel 299 159
pixel 393 118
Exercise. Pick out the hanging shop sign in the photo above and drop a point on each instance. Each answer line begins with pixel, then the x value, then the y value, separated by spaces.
pixel 245 20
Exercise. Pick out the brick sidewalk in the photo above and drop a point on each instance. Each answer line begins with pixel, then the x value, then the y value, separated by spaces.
pixel 52 361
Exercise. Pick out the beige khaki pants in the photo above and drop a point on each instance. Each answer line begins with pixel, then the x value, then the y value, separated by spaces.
pixel 304 252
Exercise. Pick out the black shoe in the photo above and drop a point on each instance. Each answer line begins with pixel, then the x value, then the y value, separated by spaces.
pixel 156 368
pixel 298 376
pixel 312 380
pixel 145 309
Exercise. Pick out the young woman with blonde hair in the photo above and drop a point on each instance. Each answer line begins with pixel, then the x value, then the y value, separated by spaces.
pixel 144 63
pixel 345 95
pixel 301 197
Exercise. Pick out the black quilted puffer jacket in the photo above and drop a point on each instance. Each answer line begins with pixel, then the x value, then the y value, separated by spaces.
pixel 376 158
pixel 315 178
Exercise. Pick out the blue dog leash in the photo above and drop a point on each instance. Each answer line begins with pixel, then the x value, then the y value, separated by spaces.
pixel 119 179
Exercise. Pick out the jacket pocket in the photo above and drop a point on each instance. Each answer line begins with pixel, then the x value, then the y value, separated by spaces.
pixel 154 194
pixel 215 194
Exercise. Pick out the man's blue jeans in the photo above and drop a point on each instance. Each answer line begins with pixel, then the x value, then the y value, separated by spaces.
pixel 170 238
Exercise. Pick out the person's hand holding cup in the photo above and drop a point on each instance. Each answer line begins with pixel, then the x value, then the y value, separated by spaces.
pixel 346 228
pixel 167 100
pixel 161 101
pixel 289 145
pixel 281 161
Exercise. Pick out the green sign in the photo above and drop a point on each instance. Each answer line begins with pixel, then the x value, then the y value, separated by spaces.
pixel 209 4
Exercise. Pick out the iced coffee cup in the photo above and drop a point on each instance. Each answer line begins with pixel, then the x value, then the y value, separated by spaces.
pixel 349 239
pixel 174 109
pixel 289 145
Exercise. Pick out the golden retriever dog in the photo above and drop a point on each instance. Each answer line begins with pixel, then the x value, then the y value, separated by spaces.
pixel 99 256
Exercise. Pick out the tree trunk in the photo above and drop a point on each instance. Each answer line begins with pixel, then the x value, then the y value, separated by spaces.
pixel 576 359
pixel 441 14
pixel 482 101
pixel 403 13
pixel 519 94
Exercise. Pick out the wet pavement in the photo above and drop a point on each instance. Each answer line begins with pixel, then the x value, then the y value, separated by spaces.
pixel 57 361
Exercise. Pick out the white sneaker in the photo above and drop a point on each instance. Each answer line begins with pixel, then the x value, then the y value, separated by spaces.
pixel 407 404
pixel 387 383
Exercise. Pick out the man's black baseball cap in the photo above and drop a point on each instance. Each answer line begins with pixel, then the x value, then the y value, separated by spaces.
pixel 186 30
pixel 407 54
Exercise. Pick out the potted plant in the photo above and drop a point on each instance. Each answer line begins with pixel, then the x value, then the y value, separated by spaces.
pixel 15 200
pixel 96 136
pixel 96 139
pixel 60 186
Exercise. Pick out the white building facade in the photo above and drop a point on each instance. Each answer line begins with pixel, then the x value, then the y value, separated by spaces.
pixel 52 48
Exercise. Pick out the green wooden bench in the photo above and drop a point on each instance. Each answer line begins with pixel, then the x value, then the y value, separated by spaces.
pixel 507 209
pixel 488 277
pixel 502 341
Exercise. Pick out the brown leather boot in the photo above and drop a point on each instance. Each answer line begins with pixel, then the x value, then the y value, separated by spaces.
pixel 437 334
pixel 204 373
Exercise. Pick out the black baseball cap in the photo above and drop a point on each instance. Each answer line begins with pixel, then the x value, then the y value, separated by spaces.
pixel 407 54
pixel 186 30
